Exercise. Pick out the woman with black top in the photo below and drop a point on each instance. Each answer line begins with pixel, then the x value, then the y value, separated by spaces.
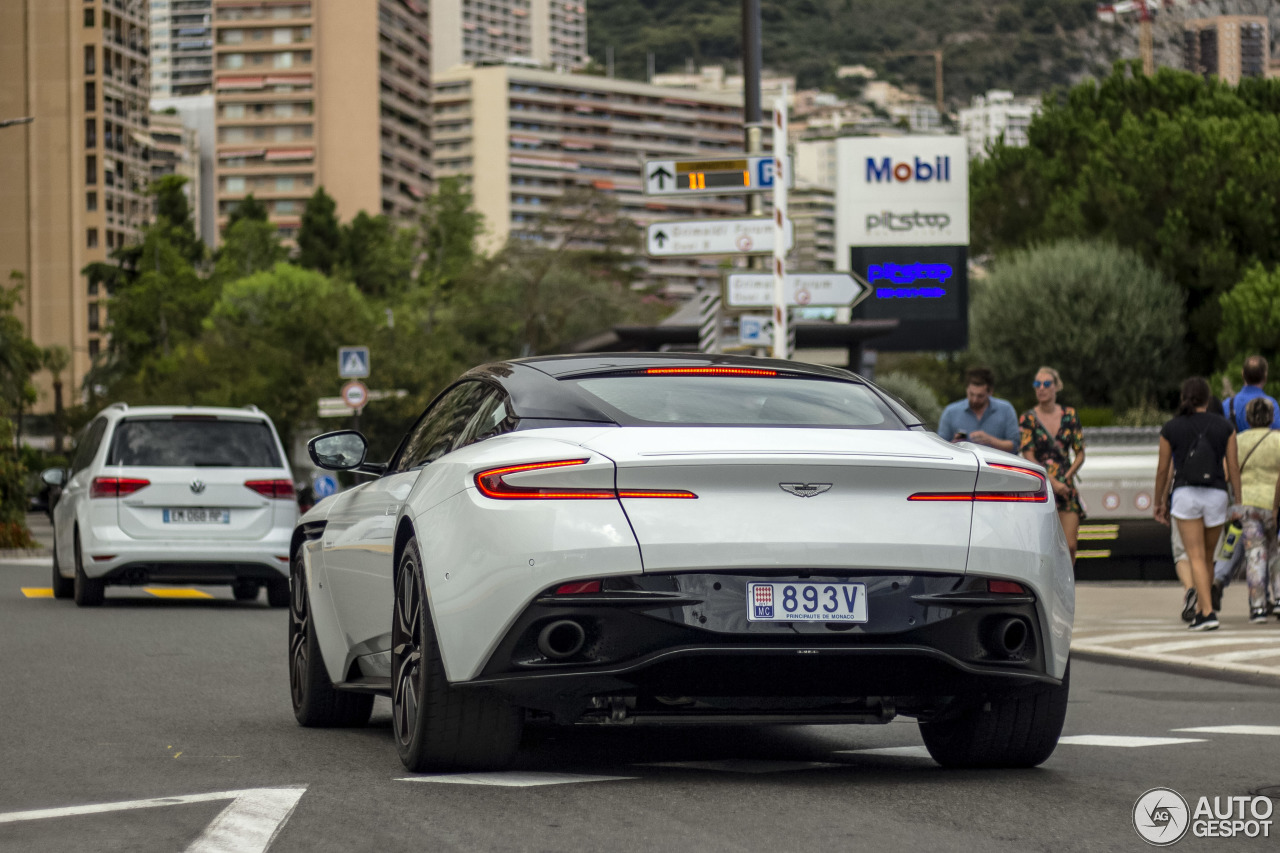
pixel 1202 447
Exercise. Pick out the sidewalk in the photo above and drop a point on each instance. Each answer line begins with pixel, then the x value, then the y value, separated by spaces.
pixel 1139 624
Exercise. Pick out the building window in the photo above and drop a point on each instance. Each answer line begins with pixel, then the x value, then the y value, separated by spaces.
pixel 92 241
pixel 94 347
pixel 90 97
pixel 91 170
pixel 91 202
pixel 90 133
pixel 94 320
pixel 234 185
pixel 88 17
pixel 90 59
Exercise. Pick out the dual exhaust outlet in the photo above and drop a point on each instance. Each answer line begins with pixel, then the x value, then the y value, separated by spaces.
pixel 1008 638
pixel 561 639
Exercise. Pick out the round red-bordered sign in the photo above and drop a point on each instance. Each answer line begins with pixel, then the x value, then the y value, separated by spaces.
pixel 355 394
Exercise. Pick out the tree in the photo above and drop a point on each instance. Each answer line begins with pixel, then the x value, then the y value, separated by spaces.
pixel 248 246
pixel 19 357
pixel 56 360
pixel 173 208
pixel 248 208
pixel 1108 322
pixel 447 232
pixel 377 256
pixel 1182 170
pixel 916 394
pixel 1251 323
pixel 319 236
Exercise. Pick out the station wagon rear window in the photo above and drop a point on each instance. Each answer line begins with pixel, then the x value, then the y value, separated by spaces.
pixel 710 400
pixel 193 442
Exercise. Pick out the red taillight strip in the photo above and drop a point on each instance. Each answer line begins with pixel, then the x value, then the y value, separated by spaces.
pixel 1040 495
pixel 278 489
pixel 709 371
pixel 491 485
pixel 116 487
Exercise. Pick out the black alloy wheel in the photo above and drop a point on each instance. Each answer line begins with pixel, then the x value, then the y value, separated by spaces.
pixel 439 726
pixel 316 702
pixel 89 592
pixel 62 587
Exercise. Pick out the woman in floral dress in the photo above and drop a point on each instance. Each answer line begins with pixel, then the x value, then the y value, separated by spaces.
pixel 1052 436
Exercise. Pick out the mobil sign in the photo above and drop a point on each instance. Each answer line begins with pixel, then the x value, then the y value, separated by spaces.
pixel 901 191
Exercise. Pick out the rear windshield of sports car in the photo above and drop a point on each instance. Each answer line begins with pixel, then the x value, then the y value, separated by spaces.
pixel 196 442
pixel 776 401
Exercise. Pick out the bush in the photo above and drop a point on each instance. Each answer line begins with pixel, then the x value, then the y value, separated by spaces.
pixel 13 493
pixel 916 394
pixel 1111 325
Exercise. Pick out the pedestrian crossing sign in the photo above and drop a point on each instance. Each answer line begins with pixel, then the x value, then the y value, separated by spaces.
pixel 353 362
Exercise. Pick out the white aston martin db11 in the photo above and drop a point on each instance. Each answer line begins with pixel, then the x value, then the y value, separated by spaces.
pixel 680 539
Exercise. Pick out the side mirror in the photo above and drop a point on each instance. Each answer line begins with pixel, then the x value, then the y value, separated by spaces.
pixel 338 451
pixel 53 476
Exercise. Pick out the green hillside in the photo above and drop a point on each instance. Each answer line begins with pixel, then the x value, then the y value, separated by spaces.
pixel 1023 45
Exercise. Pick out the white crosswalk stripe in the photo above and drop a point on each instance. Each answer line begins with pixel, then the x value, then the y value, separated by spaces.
pixel 1124 741
pixel 744 765
pixel 511 778
pixel 1202 642
pixel 1271 731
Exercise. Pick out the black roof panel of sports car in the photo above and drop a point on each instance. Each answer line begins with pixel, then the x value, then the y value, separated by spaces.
pixel 564 366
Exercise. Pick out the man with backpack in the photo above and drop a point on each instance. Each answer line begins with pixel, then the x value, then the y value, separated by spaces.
pixel 1255 377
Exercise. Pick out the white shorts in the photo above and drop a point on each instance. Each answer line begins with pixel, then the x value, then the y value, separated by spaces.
pixel 1200 502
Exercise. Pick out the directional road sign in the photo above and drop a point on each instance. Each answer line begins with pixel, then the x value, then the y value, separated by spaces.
pixel 353 362
pixel 355 394
pixel 748 236
pixel 724 175
pixel 324 486
pixel 755 329
pixel 751 290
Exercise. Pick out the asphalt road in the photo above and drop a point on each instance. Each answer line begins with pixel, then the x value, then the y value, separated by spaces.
pixel 150 698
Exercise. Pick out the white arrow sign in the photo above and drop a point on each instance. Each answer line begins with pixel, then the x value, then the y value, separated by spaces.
pixel 751 236
pixel 751 290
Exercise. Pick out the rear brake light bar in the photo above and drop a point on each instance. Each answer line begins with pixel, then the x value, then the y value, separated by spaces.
pixel 491 485
pixel 709 371
pixel 278 489
pixel 116 487
pixel 1040 495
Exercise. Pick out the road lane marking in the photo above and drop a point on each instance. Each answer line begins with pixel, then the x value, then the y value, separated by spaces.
pixel 511 778
pixel 891 751
pixel 1083 635
pixel 1124 741
pixel 167 592
pixel 1251 654
pixel 744 765
pixel 249 823
pixel 1273 731
pixel 38 591
pixel 1202 641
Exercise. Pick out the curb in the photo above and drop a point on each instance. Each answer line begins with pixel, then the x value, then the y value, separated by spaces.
pixel 1181 664
pixel 24 553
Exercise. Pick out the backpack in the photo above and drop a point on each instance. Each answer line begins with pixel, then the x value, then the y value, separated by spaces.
pixel 1201 465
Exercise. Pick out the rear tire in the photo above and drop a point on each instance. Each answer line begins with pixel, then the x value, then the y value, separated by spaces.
pixel 316 703
pixel 89 592
pixel 278 593
pixel 62 587
pixel 1016 730
pixel 247 591
pixel 438 726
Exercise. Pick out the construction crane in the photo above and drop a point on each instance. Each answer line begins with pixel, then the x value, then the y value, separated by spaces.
pixel 937 69
pixel 1143 8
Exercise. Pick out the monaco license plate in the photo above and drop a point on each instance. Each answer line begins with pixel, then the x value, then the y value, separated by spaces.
pixel 791 601
pixel 197 516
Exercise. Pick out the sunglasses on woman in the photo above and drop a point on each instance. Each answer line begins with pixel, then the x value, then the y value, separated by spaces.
pixel 1048 383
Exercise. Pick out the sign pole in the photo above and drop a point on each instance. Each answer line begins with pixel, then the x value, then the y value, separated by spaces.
pixel 781 334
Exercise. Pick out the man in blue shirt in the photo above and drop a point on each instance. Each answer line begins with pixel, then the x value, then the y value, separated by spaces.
pixel 1255 377
pixel 979 417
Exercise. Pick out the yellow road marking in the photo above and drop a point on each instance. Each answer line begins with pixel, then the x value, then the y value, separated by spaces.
pixel 176 593
pixel 1084 555
pixel 38 591
pixel 1099 531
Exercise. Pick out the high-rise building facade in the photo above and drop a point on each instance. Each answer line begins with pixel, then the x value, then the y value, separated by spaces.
pixel 522 137
pixel 332 94
pixel 175 150
pixel 181 47
pixel 997 116
pixel 73 182
pixel 548 33
pixel 1230 47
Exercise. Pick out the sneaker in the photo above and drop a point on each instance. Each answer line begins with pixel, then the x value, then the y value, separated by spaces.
pixel 1189 606
pixel 1203 622
pixel 1258 616
pixel 1215 596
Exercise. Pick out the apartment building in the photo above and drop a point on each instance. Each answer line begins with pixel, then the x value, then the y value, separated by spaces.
pixel 996 116
pixel 548 33
pixel 813 214
pixel 181 47
pixel 175 150
pixel 328 94
pixel 521 137
pixel 1230 47
pixel 73 181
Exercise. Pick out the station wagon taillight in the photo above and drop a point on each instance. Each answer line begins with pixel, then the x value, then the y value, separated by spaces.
pixel 116 487
pixel 278 489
